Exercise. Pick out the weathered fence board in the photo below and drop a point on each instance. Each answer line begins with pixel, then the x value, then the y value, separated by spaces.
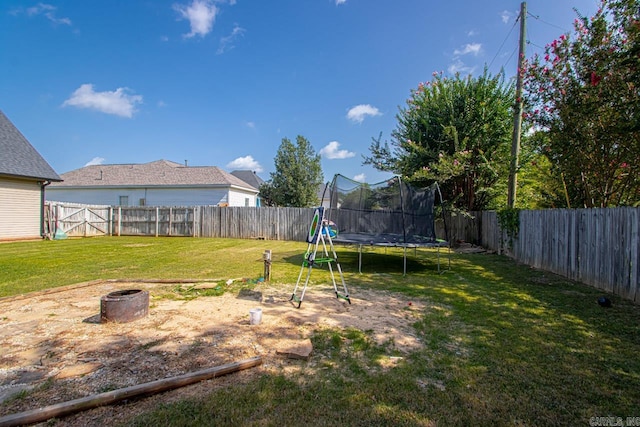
pixel 155 221
pixel 598 247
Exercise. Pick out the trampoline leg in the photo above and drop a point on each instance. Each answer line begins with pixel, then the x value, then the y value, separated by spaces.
pixel 405 261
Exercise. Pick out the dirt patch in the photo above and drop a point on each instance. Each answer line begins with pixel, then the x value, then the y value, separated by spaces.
pixel 462 247
pixel 53 347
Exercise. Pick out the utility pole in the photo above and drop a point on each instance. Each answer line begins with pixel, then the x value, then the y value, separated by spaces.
pixel 517 113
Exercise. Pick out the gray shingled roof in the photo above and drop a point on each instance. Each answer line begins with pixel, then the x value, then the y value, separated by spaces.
pixel 249 177
pixel 159 173
pixel 18 157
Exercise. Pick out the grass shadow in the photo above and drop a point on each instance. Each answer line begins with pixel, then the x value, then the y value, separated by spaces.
pixel 380 260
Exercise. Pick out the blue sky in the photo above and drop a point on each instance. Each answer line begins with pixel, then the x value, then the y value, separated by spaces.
pixel 220 83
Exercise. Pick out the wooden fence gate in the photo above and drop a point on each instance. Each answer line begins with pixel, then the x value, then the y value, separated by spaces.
pixel 77 220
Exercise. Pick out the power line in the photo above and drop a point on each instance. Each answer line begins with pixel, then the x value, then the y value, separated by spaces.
pixel 535 45
pixel 503 42
pixel 537 17
pixel 515 49
pixel 542 21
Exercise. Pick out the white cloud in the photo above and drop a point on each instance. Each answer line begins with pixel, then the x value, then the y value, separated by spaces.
pixel 201 15
pixel 360 177
pixel 469 48
pixel 332 151
pixel 95 161
pixel 505 15
pixel 339 2
pixel 227 43
pixel 251 125
pixel 457 66
pixel 118 102
pixel 40 8
pixel 49 12
pixel 460 67
pixel 245 163
pixel 359 112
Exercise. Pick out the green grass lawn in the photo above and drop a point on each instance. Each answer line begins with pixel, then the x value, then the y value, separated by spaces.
pixel 503 344
pixel 32 266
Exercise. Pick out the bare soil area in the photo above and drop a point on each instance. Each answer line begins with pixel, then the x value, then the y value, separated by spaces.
pixel 53 347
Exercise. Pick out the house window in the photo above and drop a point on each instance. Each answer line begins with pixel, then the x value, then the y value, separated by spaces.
pixel 123 200
pixel 143 202
pixel 246 201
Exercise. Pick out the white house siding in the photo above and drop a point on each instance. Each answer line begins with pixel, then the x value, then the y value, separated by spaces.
pixel 187 196
pixel 20 209
pixel 241 198
pixel 89 196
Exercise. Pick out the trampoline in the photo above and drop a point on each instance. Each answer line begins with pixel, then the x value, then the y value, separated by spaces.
pixel 390 213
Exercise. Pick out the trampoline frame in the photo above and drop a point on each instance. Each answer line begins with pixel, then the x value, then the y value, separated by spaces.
pixel 361 240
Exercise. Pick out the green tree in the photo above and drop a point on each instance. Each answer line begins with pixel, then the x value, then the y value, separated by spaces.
pixel 539 187
pixel 584 94
pixel 455 131
pixel 297 177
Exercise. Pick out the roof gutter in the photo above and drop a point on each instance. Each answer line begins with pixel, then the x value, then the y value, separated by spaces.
pixel 43 184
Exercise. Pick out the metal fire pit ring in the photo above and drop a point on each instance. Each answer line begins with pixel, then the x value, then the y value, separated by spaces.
pixel 124 306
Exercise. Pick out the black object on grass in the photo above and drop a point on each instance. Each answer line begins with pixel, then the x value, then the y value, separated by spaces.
pixel 604 302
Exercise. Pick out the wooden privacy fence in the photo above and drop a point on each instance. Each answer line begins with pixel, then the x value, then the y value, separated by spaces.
pixel 155 221
pixel 255 223
pixel 599 247
pixel 193 221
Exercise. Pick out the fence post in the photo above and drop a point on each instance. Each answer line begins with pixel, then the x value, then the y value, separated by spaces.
pixel 57 215
pixel 267 265
pixel 85 212
pixel 194 222
pixel 186 220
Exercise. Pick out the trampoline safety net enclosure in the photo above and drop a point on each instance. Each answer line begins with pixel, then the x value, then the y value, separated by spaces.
pixel 388 213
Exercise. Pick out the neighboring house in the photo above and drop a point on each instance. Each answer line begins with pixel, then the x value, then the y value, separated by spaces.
pixel 324 195
pixel 24 174
pixel 159 183
pixel 251 178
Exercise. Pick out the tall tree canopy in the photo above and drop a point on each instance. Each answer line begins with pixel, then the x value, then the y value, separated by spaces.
pixel 584 93
pixel 297 177
pixel 455 131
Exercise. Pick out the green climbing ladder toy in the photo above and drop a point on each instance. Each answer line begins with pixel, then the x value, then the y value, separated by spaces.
pixel 319 233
